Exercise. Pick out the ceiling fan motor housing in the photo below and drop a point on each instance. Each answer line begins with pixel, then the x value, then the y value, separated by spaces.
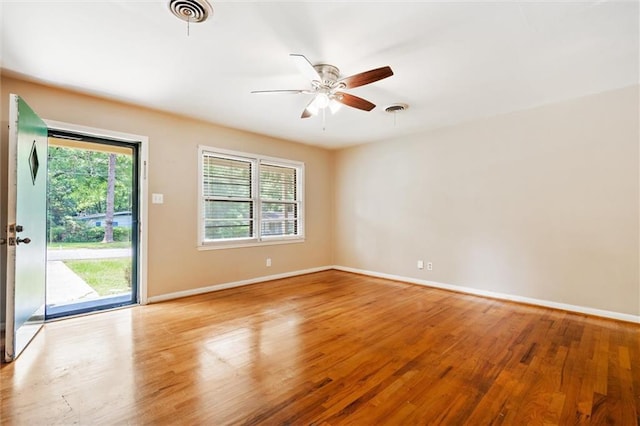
pixel 328 73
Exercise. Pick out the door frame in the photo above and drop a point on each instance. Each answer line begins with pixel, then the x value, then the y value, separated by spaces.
pixel 143 187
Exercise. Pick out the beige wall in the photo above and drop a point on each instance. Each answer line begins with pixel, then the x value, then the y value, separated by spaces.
pixel 540 204
pixel 174 262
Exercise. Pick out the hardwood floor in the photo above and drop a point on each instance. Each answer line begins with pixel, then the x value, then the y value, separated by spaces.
pixel 328 348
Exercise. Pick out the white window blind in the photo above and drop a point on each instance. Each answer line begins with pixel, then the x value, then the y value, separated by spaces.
pixel 227 193
pixel 249 199
pixel 279 200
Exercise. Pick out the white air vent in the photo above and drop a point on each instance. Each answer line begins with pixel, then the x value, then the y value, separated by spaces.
pixel 191 10
pixel 396 108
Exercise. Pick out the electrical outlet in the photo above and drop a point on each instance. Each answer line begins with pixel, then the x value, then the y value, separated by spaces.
pixel 420 264
pixel 268 262
pixel 429 266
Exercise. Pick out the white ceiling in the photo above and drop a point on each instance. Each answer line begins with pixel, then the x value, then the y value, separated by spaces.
pixel 453 61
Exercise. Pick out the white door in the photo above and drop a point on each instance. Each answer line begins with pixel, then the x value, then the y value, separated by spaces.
pixel 26 227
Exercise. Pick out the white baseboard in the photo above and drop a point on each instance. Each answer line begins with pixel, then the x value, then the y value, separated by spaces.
pixel 502 296
pixel 223 286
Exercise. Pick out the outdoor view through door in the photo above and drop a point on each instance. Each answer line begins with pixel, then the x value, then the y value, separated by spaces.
pixel 92 224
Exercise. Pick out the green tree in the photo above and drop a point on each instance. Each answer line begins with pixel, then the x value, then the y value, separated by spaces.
pixel 110 205
pixel 78 182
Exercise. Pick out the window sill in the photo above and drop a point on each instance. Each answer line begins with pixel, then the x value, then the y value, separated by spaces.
pixel 239 244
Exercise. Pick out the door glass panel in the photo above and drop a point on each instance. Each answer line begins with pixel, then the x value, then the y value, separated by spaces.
pixel 91 226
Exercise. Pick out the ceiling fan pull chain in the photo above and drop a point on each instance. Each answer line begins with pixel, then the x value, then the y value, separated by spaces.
pixel 324 121
pixel 188 22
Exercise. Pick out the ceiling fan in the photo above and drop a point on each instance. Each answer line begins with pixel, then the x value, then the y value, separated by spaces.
pixel 327 86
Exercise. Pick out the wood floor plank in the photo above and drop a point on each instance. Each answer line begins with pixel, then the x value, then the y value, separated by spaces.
pixel 326 349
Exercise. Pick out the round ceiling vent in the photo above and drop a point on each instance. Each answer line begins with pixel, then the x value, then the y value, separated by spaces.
pixel 396 108
pixel 191 10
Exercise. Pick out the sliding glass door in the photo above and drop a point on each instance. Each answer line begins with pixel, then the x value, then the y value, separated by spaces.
pixel 92 224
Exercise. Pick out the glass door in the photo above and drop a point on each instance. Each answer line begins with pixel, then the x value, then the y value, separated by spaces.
pixel 92 224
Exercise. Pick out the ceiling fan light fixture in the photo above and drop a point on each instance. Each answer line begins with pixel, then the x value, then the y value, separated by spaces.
pixel 334 106
pixel 313 108
pixel 322 100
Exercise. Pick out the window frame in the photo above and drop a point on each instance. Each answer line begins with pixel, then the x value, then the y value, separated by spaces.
pixel 257 239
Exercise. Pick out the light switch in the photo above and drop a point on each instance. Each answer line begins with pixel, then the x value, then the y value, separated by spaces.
pixel 157 198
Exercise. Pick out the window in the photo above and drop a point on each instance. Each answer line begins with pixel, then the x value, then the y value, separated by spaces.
pixel 248 199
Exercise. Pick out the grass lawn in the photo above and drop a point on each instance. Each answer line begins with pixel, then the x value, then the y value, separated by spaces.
pixel 89 245
pixel 106 276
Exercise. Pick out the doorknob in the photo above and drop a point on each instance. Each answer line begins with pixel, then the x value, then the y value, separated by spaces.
pixel 23 240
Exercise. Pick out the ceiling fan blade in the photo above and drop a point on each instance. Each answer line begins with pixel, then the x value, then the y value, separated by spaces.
pixel 305 66
pixel 310 109
pixel 366 77
pixel 286 92
pixel 354 101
